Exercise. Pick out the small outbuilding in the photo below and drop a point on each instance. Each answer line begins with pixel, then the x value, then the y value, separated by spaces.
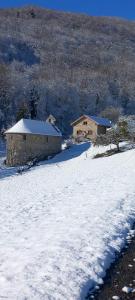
pixel 89 127
pixel 29 139
pixel 51 119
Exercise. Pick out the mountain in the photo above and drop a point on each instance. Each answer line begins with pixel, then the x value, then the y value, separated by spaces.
pixel 68 63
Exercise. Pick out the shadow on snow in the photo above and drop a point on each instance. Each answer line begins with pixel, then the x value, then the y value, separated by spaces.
pixel 65 155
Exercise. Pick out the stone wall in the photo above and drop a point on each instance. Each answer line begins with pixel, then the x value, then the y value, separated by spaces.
pixel 22 148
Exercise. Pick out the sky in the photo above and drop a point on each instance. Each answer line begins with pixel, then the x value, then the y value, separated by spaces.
pixel 119 8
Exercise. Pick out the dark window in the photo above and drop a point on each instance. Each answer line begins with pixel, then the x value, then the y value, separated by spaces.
pixel 79 132
pixel 90 132
pixel 85 123
pixel 24 137
pixel 47 139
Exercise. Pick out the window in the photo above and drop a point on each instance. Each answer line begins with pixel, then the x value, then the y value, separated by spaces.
pixel 47 139
pixel 85 123
pixel 90 132
pixel 24 137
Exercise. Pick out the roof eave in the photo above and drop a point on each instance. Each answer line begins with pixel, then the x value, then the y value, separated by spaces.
pixel 30 133
pixel 107 126
pixel 76 121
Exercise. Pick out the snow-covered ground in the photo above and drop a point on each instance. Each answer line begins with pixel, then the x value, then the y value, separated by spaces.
pixel 61 223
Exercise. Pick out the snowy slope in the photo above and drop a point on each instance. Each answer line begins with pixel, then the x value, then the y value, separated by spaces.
pixel 61 223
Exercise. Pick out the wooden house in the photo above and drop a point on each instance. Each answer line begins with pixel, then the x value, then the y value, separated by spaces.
pixel 29 139
pixel 89 127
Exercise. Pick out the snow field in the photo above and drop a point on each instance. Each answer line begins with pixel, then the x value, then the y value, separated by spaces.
pixel 61 223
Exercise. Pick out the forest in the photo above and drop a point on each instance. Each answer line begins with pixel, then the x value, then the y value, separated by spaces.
pixel 66 64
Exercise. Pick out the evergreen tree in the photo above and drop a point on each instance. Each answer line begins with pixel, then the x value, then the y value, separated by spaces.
pixel 22 113
pixel 34 98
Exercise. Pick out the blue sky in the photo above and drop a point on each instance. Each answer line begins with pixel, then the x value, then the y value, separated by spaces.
pixel 121 8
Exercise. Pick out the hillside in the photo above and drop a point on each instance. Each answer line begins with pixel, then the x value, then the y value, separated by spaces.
pixel 62 222
pixel 69 63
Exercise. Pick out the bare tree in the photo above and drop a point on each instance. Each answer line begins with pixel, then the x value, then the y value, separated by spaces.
pixel 112 113
pixel 121 132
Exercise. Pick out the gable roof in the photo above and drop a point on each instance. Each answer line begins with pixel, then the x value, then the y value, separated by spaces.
pixel 98 120
pixel 28 126
pixel 51 117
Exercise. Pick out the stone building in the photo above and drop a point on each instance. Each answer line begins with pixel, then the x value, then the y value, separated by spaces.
pixel 89 127
pixel 29 139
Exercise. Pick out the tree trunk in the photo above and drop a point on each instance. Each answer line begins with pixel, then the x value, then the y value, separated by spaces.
pixel 118 147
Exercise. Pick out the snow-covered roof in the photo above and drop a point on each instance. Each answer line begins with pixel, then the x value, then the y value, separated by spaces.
pixel 101 121
pixel 28 126
pixel 50 117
